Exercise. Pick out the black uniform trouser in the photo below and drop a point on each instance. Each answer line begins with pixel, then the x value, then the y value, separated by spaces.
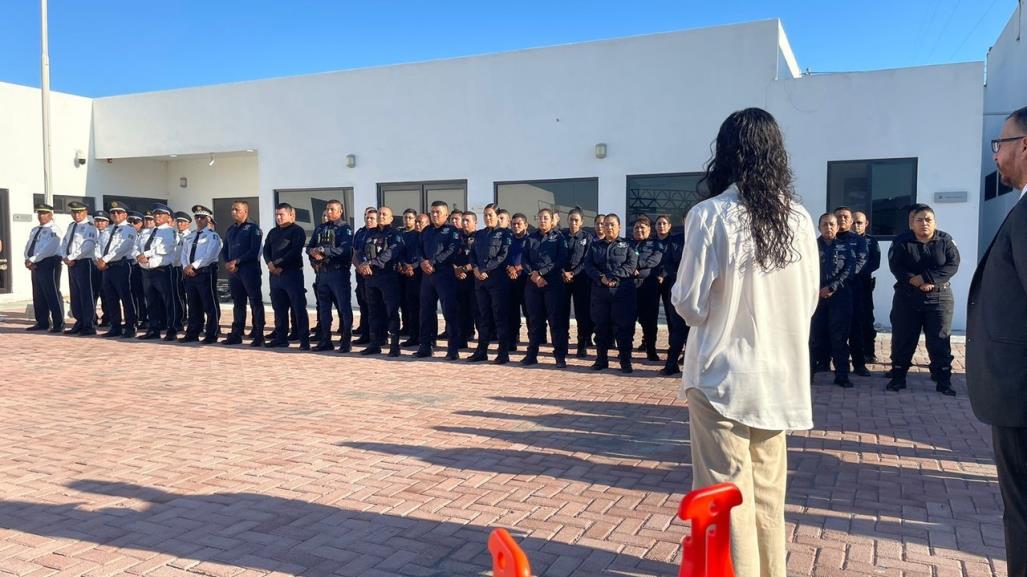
pixel 362 306
pixel 244 285
pixel 579 292
pixel 647 298
pixel 162 297
pixel 1010 445
pixel 97 279
pixel 675 324
pixel 613 314
pixel 440 286
pixel 138 286
pixel 910 315
pixel 203 304
pixel 181 301
pixel 468 308
pixel 410 287
pixel 546 305
pixel 516 307
pixel 83 301
pixel 47 303
pixel 829 334
pixel 289 300
pixel 869 333
pixel 493 297
pixel 383 297
pixel 333 289
pixel 856 351
pixel 117 285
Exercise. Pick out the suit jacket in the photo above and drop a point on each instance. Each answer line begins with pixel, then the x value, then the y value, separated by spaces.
pixel 996 329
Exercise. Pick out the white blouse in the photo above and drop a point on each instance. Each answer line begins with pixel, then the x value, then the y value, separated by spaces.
pixel 748 349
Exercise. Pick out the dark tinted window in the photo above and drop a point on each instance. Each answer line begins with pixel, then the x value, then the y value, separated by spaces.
pixel 883 189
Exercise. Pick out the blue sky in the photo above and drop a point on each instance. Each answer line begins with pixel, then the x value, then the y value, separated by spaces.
pixel 105 47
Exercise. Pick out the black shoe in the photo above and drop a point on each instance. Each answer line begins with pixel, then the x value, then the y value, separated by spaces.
pixel 104 323
pixel 530 359
pixel 671 369
pixel 111 334
pixel 271 336
pixel 821 367
pixel 293 336
pixel 345 346
pixel 561 363
pixel 209 340
pixel 843 382
pixel 946 390
pixel 363 340
pixel 640 347
pixel 600 364
pixel 478 356
pixel 149 336
pixel 232 340
pixel 37 328
pixel 411 342
pixel 171 336
pixel 359 330
pixel 861 371
pixel 423 352
pixel 56 329
pixel 253 334
pixel 394 350
pixel 72 331
pixel 896 384
pixel 625 367
pixel 315 330
pixel 582 351
pixel 189 339
pixel 324 346
pixel 374 349
pixel 304 345
pixel 257 342
pixel 128 335
pixel 276 344
pixel 502 358
pixel 513 347
pixel 453 356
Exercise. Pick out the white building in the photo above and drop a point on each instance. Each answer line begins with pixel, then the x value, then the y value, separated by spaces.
pixel 522 127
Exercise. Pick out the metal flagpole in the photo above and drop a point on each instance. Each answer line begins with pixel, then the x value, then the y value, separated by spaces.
pixel 45 74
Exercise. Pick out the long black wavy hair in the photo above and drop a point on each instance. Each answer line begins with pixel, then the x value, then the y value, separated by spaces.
pixel 750 153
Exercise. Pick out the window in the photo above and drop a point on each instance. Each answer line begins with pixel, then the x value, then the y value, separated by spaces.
pixel 60 202
pixel 671 194
pixel 883 189
pixel 993 186
pixel 310 204
pixel 136 203
pixel 530 196
pixel 400 196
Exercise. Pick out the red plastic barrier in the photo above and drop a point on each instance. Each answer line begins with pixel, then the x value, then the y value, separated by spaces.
pixel 707 551
pixel 508 560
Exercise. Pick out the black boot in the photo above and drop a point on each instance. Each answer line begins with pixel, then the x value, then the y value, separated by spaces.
pixel 372 349
pixel 650 352
pixel 480 354
pixel 602 361
pixel 394 346
pixel 898 380
pixel 582 351
pixel 503 356
pixel 842 380
pixel 860 370
pixel 625 366
pixel 944 385
pixel 670 368
pixel 411 342
pixel 531 358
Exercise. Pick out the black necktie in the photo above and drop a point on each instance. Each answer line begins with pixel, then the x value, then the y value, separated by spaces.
pixel 192 251
pixel 149 241
pixel 71 236
pixel 110 239
pixel 32 245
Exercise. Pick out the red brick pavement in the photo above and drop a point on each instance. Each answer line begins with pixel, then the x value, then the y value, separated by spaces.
pixel 168 460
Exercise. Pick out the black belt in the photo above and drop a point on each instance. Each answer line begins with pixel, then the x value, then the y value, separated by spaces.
pixel 206 269
pixel 119 261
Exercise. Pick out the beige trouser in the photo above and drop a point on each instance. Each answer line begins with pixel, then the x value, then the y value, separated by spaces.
pixel 756 460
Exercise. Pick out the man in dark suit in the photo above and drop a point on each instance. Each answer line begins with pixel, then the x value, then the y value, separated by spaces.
pixel 996 341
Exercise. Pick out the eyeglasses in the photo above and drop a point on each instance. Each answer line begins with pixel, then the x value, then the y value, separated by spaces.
pixel 998 141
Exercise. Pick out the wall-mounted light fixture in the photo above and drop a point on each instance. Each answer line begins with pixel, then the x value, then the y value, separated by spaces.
pixel 600 150
pixel 211 163
pixel 351 160
pixel 80 158
pixel 183 182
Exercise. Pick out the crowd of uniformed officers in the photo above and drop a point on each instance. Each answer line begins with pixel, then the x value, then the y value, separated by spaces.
pixel 157 273
pixel 155 276
pixel 922 259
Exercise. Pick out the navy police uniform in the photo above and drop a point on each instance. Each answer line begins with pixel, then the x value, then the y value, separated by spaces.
pixel 489 256
pixel 284 248
pixel 647 281
pixel 381 251
pixel 611 265
pixel 829 334
pixel 579 288
pixel 362 328
pixel 410 286
pixel 864 302
pixel 545 255
pixel 242 247
pixel 334 241
pixel 676 326
pixel 517 286
pixel 439 247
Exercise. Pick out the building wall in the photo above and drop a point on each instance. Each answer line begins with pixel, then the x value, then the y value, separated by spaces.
pixel 1005 91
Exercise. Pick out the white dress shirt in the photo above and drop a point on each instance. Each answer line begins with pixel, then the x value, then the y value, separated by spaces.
pixel 748 350
pixel 101 242
pixel 161 250
pixel 80 241
pixel 122 243
pixel 48 242
pixel 208 248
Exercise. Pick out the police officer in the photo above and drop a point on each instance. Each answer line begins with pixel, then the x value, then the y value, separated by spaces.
pixel 102 223
pixel 182 234
pixel 78 250
pixel 376 262
pixel 199 257
pixel 436 255
pixel 330 250
pixel 923 261
pixel 611 265
pixel 578 285
pixel 518 280
pixel 135 273
pixel 861 250
pixel 673 245
pixel 647 282
pixel 864 302
pixel 410 280
pixel 830 329
pixel 283 254
pixel 362 327
pixel 155 258
pixel 544 260
pixel 242 260
pixel 469 317
pixel 456 221
pixel 599 225
pixel 114 262
pixel 43 258
pixel 489 255
pixel 504 218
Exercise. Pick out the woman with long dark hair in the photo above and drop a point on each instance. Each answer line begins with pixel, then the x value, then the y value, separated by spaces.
pixel 747 284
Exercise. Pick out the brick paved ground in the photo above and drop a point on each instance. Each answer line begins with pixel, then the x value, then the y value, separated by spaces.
pixel 132 458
